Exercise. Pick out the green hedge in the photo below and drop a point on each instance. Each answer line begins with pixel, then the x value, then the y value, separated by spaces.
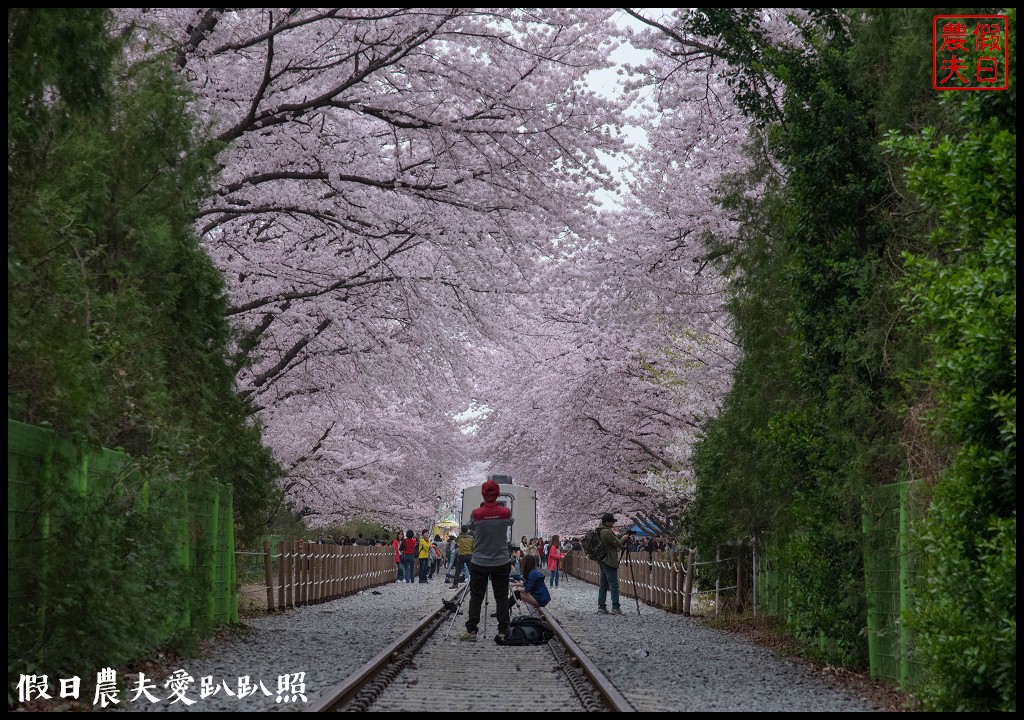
pixel 105 561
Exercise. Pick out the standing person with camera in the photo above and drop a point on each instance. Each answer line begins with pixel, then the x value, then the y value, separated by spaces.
pixel 609 565
pixel 490 523
pixel 434 553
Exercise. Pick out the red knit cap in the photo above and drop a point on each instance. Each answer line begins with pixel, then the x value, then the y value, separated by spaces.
pixel 490 491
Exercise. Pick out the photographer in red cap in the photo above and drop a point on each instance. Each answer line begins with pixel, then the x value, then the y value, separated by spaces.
pixel 490 523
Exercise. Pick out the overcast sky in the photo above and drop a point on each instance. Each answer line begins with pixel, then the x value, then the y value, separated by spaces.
pixel 608 83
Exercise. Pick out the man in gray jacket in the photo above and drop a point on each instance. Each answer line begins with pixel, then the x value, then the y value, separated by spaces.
pixel 490 523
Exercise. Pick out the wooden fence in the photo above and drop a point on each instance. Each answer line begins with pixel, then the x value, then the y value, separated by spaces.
pixel 661 579
pixel 304 573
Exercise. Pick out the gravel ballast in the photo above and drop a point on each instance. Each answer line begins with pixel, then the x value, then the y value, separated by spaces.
pixel 660 661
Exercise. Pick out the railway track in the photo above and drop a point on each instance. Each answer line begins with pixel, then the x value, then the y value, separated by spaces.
pixel 429 669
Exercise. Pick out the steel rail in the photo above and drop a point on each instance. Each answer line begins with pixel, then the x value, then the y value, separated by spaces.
pixel 336 696
pixel 615 700
pixel 363 686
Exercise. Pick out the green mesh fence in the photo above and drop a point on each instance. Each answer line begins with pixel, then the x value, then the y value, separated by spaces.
pixel 882 580
pixel 890 578
pixel 89 533
pixel 890 573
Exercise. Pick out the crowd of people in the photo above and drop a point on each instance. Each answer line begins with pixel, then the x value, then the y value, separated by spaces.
pixel 637 543
pixel 442 553
pixel 481 555
pixel 535 562
pixel 420 557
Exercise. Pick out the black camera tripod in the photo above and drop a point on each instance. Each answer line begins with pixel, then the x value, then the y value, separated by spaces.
pixel 629 561
pixel 456 610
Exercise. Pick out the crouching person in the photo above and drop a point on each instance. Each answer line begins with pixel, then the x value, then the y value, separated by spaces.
pixel 532 590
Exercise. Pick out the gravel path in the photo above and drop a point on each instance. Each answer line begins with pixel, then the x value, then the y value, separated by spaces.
pixel 661 662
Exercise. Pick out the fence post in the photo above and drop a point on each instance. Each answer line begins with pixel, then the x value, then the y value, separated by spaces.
pixel 314 573
pixel 269 574
pixel 649 585
pixel 688 590
pixel 739 579
pixel 343 568
pixel 660 575
pixel 297 573
pixel 289 573
pixel 360 566
pixel 280 574
pixel 310 573
pixel 302 582
pixel 678 580
pixel 753 576
pixel 321 566
pixel 652 584
pixel 367 568
pixel 718 579
pixel 334 571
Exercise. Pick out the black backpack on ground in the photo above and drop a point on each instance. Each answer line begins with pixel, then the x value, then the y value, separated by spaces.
pixel 526 630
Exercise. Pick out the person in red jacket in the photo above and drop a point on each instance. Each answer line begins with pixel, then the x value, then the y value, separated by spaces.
pixel 396 545
pixel 490 523
pixel 409 546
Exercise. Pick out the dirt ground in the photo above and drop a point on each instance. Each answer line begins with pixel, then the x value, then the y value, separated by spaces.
pixel 883 694
pixel 252 600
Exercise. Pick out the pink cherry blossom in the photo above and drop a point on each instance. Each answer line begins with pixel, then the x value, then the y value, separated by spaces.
pixel 407 215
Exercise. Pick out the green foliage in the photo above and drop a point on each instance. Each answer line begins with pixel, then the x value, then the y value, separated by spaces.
pixel 962 286
pixel 106 561
pixel 53 54
pixel 965 620
pixel 116 317
pixel 840 338
pixel 104 587
pixel 817 413
pixel 116 327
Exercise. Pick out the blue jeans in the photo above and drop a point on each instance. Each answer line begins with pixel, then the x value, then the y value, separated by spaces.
pixel 461 565
pixel 609 581
pixel 554 578
pixel 408 563
pixel 424 565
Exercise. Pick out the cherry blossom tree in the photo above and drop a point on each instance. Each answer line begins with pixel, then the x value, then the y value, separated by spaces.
pixel 388 179
pixel 406 215
pixel 632 349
